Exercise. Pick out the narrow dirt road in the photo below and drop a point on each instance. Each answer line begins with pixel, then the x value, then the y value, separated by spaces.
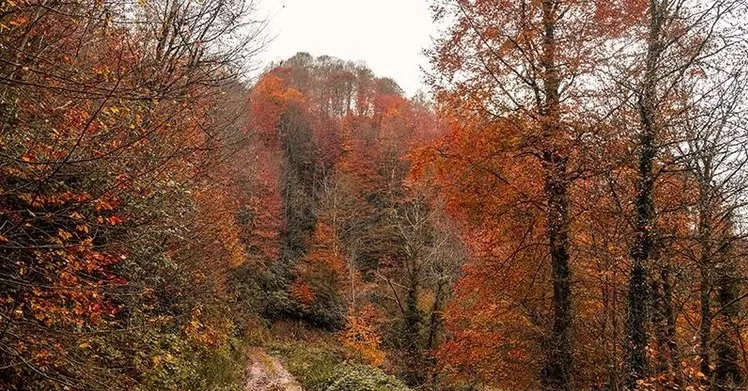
pixel 267 374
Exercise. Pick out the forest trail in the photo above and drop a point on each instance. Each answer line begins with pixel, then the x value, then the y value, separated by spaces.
pixel 266 373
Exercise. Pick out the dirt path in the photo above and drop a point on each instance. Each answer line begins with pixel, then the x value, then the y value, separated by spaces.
pixel 267 374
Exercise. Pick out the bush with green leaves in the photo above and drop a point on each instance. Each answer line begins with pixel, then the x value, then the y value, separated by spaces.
pixel 322 366
pixel 314 367
pixel 364 378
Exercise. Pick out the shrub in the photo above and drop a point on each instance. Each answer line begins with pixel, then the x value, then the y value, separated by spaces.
pixel 313 367
pixel 364 378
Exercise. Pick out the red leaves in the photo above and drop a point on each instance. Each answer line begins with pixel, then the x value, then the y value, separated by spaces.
pixel 619 15
pixel 269 99
pixel 303 293
pixel 323 269
pixel 114 220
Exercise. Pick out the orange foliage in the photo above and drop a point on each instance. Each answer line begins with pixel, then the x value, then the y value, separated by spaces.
pixel 360 334
pixel 321 273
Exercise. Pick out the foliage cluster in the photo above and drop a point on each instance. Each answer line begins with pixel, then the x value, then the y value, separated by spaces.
pixel 118 204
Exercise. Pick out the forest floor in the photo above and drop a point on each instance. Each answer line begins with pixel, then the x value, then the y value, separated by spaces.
pixel 266 373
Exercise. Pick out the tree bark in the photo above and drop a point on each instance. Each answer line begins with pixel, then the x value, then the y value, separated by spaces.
pixel 557 371
pixel 435 320
pixel 415 373
pixel 645 217
pixel 705 327
pixel 664 325
pixel 727 372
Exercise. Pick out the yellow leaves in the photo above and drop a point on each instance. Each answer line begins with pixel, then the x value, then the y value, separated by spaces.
pixel 114 220
pixel 237 257
pixel 29 199
pixel 158 359
pixel 362 338
pixel 206 331
pixel 38 315
pixel 102 70
pixel 102 205
pixel 22 271
pixel 55 199
pixel 82 228
pixel 19 21
pixel 12 171
pixel 64 235
pixel 42 355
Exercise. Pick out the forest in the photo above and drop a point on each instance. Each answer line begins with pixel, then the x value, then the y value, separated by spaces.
pixel 565 208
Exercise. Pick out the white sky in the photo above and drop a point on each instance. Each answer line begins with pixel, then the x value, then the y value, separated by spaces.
pixel 387 35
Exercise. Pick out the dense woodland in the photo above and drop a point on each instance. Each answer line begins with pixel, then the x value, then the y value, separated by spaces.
pixel 564 209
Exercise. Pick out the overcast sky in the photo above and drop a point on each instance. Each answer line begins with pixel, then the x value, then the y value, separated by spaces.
pixel 388 35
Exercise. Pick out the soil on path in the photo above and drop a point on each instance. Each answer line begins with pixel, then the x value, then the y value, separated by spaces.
pixel 266 373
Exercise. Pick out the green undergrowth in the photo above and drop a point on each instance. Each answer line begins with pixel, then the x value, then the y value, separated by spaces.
pixel 318 361
pixel 178 364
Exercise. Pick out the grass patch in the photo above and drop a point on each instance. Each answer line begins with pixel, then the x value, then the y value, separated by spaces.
pixel 313 366
pixel 364 378
pixel 319 362
pixel 224 369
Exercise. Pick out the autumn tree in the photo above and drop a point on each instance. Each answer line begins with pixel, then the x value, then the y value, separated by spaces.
pixel 517 69
pixel 713 153
pixel 107 133
pixel 678 38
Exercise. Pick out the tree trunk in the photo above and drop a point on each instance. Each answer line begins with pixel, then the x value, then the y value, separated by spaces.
pixel 435 317
pixel 557 370
pixel 641 252
pixel 412 317
pixel 415 371
pixel 706 263
pixel 637 335
pixel 727 372
pixel 664 325
pixel 645 218
pixel 659 321
pixel 705 327
pixel 669 313
pixel 435 324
